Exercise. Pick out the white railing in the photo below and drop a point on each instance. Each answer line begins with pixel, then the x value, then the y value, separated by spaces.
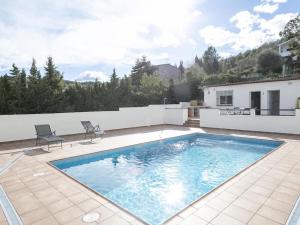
pixel 251 122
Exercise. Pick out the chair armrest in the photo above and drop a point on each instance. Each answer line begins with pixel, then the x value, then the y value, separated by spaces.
pixel 97 127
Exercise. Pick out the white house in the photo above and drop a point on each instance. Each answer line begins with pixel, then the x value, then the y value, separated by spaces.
pixel 269 97
pixel 284 49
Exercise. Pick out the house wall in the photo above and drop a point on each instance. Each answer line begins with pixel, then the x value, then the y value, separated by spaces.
pixel 275 124
pixel 19 127
pixel 289 92
pixel 284 49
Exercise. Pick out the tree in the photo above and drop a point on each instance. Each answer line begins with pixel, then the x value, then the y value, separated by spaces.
pixel 198 61
pixel 36 90
pixel 181 70
pixel 53 90
pixel 53 76
pixel 152 90
pixel 171 92
pixel 16 92
pixel 142 66
pixel 5 95
pixel 211 61
pixel 291 33
pixel 269 62
pixel 291 29
pixel 114 81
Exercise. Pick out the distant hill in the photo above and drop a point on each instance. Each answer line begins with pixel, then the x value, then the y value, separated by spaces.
pixel 245 63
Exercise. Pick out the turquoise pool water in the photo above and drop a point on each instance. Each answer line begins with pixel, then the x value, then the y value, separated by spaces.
pixel 156 180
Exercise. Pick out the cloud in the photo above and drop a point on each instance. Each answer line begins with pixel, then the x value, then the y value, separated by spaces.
pixel 268 6
pixel 90 32
pixel 253 31
pixel 92 76
pixel 265 8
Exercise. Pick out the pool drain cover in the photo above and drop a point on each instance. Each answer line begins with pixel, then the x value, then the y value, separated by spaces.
pixel 90 217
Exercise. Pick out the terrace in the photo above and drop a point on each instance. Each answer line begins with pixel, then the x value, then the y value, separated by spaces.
pixel 265 193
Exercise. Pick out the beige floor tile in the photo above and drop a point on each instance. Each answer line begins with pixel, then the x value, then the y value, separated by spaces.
pixel 112 207
pixel 89 205
pixel 35 216
pixel 227 196
pixel 187 212
pixel 283 197
pixel 68 214
pixel 247 204
pixel 218 203
pixel 59 205
pixel 279 205
pixel 115 220
pixel 193 220
pixel 47 221
pixel 103 212
pixel 78 197
pixel 223 219
pixel 207 213
pixel 253 196
pixel 26 204
pixel 79 221
pixel 238 213
pixel 273 214
pixel 260 220
pixel 261 190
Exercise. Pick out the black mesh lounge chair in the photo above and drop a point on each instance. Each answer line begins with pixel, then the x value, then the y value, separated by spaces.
pixel 92 130
pixel 43 132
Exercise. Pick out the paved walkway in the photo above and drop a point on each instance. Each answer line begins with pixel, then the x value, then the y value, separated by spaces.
pixel 264 194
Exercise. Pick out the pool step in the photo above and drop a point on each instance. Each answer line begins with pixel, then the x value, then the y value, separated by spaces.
pixel 191 122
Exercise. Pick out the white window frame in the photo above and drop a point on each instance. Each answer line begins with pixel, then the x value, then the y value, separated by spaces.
pixel 224 94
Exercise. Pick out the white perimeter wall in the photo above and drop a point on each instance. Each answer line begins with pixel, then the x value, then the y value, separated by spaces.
pixel 276 124
pixel 19 127
pixel 289 92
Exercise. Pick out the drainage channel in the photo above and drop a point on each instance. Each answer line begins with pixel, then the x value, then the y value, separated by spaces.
pixel 9 211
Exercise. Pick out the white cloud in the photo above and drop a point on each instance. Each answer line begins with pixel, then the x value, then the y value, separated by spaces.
pixel 92 76
pixel 268 6
pixel 253 31
pixel 265 8
pixel 91 31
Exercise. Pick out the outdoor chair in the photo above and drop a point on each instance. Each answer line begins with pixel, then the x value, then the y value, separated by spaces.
pixel 92 130
pixel 44 133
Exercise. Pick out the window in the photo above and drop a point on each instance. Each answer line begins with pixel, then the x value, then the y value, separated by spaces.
pixel 224 97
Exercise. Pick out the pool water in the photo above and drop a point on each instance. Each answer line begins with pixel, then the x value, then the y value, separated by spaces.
pixel 156 180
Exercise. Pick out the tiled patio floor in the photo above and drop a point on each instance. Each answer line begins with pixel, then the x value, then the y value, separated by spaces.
pixel 264 194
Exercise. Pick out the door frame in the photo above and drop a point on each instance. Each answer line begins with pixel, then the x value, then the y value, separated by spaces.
pixel 258 110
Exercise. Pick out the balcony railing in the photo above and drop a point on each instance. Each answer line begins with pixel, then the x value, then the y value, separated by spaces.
pixel 261 112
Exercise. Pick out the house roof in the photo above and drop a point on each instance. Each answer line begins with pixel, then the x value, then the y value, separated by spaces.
pixel 257 81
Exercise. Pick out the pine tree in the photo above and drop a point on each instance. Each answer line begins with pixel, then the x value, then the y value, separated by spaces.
pixel 114 81
pixel 16 91
pixel 36 90
pixel 53 90
pixel 181 70
pixel 5 95
pixel 211 61
pixel 198 61
pixel 142 66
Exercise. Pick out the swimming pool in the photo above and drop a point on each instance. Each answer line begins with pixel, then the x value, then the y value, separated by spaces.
pixel 156 180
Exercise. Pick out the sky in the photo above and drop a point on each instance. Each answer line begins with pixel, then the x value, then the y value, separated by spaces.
pixel 88 38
